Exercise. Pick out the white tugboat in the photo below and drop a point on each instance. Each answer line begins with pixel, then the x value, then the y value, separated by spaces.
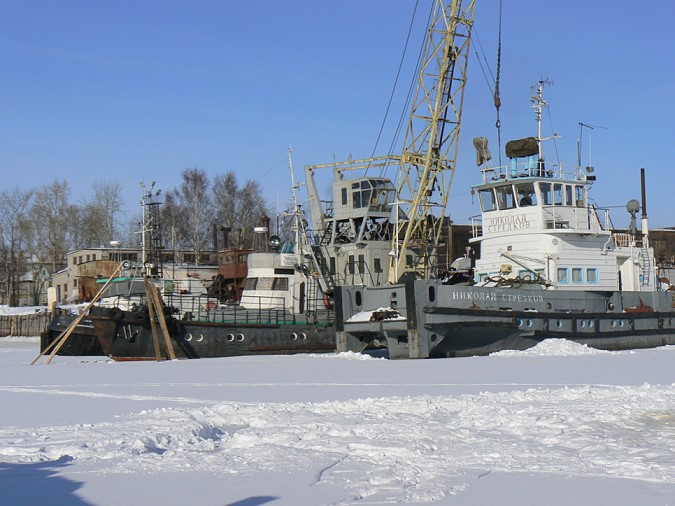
pixel 550 267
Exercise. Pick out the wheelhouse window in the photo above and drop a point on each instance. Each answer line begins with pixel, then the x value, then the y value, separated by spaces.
pixel 526 195
pixel 579 196
pixel 487 200
pixel 558 197
pixel 251 283
pixel 505 197
pixel 568 194
pixel 545 190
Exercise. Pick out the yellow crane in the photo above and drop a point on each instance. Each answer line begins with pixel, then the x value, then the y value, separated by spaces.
pixel 427 163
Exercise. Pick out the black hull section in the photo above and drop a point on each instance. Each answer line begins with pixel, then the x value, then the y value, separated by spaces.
pixel 469 333
pixel 128 336
pixel 128 341
pixel 82 342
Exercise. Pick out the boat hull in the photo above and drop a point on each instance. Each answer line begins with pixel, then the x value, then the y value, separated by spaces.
pixel 436 320
pixel 128 336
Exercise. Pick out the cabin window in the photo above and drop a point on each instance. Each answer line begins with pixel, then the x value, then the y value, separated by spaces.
pixel 344 196
pixel 251 283
pixel 558 194
pixel 579 196
pixel 505 197
pixel 356 200
pixel 350 264
pixel 526 195
pixel 362 264
pixel 563 275
pixel 487 200
pixel 332 265
pixel 74 260
pixel 280 284
pixel 577 275
pixel 93 257
pixel 384 195
pixel 377 265
pixel 242 259
pixel 592 275
pixel 361 194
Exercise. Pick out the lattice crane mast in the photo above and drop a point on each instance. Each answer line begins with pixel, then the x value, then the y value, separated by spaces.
pixel 428 160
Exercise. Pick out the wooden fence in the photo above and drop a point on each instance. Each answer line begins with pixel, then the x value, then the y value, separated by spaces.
pixel 23 324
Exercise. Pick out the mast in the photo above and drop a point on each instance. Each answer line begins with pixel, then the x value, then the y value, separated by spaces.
pixel 151 232
pixel 296 206
pixel 538 103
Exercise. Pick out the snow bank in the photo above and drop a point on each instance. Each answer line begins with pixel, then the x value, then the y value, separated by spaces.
pixel 552 347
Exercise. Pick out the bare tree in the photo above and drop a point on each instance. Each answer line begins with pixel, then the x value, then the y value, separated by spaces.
pixel 97 216
pixel 196 201
pixel 52 216
pixel 251 208
pixel 224 196
pixel 15 243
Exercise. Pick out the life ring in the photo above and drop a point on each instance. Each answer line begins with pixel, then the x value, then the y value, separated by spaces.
pixel 328 301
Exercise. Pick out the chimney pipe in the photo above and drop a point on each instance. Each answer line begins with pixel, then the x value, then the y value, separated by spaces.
pixel 645 221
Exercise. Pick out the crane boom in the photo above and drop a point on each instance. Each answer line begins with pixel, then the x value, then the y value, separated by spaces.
pixel 428 160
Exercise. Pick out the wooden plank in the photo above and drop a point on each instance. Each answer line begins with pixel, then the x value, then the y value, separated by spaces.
pixel 159 309
pixel 151 311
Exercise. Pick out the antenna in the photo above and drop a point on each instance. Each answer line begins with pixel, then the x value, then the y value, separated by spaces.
pixel 589 168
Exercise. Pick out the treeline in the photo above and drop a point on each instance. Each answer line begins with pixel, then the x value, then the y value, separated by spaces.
pixel 39 226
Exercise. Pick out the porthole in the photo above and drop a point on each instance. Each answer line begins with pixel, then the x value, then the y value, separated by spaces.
pixel 433 338
pixel 613 323
pixel 230 337
pixel 558 324
pixel 357 298
pixel 200 338
pixel 529 323
pixel 520 322
pixel 240 337
pixel 583 324
pixel 303 336
pixel 621 323
pixel 188 337
pixel 432 294
pixel 590 323
pixel 294 336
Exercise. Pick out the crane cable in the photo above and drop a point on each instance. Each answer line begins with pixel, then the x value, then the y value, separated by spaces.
pixel 498 101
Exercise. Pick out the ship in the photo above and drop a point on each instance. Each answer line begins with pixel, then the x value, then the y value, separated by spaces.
pixel 550 266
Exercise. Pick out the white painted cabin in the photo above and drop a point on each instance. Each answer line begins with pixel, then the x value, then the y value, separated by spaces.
pixel 538 223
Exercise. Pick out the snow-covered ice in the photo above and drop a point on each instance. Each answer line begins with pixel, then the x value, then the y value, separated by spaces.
pixel 558 424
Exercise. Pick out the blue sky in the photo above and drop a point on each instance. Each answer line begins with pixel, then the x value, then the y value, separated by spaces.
pixel 132 91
